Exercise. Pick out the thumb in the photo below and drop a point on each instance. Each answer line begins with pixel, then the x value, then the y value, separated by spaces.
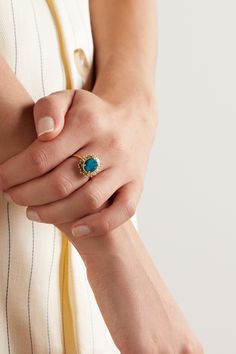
pixel 50 112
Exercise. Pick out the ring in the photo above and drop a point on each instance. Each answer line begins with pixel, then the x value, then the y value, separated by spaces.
pixel 89 165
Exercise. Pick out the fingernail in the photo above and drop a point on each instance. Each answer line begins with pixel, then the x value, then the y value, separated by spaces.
pixel 45 125
pixel 33 215
pixel 80 230
pixel 7 197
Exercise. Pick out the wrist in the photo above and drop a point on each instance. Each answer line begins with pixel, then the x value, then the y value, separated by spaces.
pixel 119 93
pixel 131 100
pixel 98 253
pixel 118 80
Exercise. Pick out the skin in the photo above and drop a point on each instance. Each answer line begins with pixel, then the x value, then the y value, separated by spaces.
pixel 118 125
pixel 119 268
pixel 68 196
pixel 16 114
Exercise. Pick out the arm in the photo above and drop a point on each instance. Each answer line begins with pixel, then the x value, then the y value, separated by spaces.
pixel 17 129
pixel 125 38
pixel 137 306
pixel 139 312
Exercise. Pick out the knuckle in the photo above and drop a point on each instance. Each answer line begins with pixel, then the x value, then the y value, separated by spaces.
pixel 63 186
pixel 46 214
pixel 117 145
pixel 191 347
pixel 94 122
pixel 47 102
pixel 104 226
pixel 39 160
pixel 187 349
pixel 91 116
pixel 44 217
pixel 94 199
pixel 129 208
pixel 39 104
pixel 18 197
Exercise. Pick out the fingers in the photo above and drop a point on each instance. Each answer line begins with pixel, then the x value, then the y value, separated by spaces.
pixel 41 156
pixel 89 198
pixel 82 126
pixel 122 209
pixel 55 185
pixel 50 112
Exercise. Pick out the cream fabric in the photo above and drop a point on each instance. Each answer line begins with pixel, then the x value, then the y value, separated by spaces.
pixel 36 261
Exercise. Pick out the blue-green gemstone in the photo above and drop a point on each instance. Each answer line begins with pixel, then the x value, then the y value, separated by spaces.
pixel 90 165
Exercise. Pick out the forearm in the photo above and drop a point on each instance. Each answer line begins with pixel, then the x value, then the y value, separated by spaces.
pixel 121 246
pixel 17 129
pixel 129 290
pixel 125 39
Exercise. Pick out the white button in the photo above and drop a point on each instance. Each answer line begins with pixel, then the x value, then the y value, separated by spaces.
pixel 81 62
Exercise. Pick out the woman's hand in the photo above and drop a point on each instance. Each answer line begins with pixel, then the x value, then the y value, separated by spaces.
pixel 44 178
pixel 139 312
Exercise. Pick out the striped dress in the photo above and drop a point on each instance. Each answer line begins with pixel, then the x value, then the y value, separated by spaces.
pixel 46 303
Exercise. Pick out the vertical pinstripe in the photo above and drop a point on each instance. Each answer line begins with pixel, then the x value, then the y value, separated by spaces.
pixel 43 90
pixel 8 206
pixel 29 290
pixel 40 48
pixel 49 285
pixel 54 231
pixel 91 316
pixel 8 275
pixel 15 37
pixel 38 296
pixel 62 291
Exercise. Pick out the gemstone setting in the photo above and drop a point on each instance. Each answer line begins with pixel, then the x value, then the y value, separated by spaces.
pixel 89 165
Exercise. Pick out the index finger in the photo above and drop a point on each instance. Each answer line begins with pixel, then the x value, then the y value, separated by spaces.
pixel 39 158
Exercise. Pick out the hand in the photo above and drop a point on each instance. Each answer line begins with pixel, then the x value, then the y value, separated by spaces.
pixel 44 178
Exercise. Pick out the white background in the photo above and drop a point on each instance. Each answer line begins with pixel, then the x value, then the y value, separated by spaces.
pixel 187 214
